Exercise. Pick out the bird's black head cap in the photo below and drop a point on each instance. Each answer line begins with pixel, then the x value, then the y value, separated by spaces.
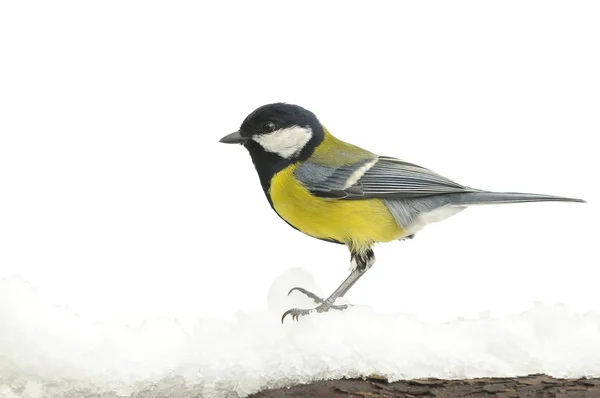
pixel 271 117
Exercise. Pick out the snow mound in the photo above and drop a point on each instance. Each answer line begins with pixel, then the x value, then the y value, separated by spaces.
pixel 49 351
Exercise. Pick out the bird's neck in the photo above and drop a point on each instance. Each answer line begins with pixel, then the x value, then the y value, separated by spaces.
pixel 267 164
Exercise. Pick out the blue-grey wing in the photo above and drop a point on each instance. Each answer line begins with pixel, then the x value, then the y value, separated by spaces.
pixel 333 182
pixel 415 196
pixel 376 177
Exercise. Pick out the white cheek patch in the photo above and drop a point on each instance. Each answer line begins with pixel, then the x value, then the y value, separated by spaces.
pixel 285 142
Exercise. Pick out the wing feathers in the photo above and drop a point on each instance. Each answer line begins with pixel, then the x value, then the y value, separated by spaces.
pixel 381 177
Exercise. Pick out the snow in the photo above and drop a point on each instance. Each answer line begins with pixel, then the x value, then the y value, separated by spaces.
pixel 48 351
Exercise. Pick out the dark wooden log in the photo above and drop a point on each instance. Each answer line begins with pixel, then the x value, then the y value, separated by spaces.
pixel 539 386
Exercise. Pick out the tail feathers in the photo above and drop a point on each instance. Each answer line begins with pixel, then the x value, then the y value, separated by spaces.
pixel 414 213
pixel 484 197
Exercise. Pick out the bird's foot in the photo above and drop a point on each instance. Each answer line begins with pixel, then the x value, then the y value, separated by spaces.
pixel 296 313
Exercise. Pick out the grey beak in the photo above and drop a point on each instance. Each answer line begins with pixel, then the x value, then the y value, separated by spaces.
pixel 234 138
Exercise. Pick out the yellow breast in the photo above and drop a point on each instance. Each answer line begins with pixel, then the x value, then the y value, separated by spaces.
pixel 358 223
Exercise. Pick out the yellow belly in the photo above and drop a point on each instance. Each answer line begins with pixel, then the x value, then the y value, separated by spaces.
pixel 358 223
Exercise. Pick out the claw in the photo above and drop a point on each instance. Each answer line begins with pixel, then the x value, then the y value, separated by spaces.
pixel 310 294
pixel 296 313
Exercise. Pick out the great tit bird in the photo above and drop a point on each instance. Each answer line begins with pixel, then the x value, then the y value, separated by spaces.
pixel 340 193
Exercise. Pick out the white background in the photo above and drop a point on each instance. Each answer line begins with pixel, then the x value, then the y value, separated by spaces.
pixel 117 201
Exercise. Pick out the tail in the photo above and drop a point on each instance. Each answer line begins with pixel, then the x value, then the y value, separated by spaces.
pixel 485 197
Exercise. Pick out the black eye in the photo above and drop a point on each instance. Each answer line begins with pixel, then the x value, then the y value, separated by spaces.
pixel 268 127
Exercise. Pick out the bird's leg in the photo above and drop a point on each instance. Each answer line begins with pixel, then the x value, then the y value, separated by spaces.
pixel 356 264
pixel 361 262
